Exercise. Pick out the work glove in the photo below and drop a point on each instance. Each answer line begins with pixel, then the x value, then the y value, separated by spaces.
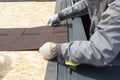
pixel 54 20
pixel 47 50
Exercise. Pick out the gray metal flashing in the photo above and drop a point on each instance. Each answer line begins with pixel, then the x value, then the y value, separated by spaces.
pixel 60 4
pixel 70 27
pixel 70 31
pixel 51 72
pixel 79 32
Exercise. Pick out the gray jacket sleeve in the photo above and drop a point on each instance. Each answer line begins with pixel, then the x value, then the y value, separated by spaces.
pixel 72 11
pixel 104 44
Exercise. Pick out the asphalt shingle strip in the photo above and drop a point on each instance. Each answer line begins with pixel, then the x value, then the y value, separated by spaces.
pixel 31 38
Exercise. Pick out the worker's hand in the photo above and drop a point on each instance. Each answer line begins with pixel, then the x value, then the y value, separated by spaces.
pixel 54 20
pixel 47 50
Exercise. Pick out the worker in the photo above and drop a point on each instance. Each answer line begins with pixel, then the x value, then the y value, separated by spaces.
pixel 104 43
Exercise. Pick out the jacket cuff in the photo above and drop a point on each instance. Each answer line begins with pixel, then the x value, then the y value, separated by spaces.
pixel 61 17
pixel 58 49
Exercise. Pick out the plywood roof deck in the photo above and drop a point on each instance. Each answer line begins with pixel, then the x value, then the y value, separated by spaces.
pixel 25 14
pixel 23 65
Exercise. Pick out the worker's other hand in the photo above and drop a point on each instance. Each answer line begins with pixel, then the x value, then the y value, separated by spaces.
pixel 54 20
pixel 47 50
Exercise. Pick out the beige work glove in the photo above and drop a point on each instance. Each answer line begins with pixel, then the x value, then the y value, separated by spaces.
pixel 54 20
pixel 47 50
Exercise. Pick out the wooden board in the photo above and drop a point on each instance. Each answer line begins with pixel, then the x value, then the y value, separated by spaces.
pixel 31 38
pixel 23 65
pixel 25 14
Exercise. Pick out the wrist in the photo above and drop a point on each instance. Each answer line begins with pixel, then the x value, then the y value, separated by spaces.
pixel 52 47
pixel 57 17
pixel 57 49
pixel 61 17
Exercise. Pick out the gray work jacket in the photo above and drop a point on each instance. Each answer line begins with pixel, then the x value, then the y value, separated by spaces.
pixel 104 44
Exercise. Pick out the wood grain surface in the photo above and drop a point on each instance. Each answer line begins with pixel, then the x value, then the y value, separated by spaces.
pixel 23 65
